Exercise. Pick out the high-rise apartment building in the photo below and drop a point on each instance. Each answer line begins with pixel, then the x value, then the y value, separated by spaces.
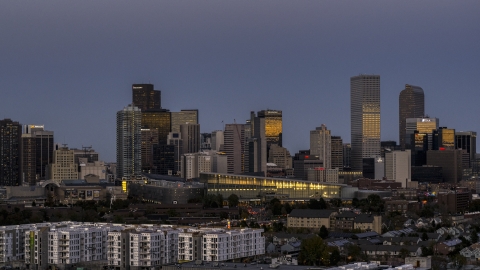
pixel 467 140
pixel 160 120
pixel 321 145
pixel 190 134
pixel 145 98
pixel 411 105
pixel 129 158
pixel 37 153
pixel 234 137
pixel 183 117
pixel 365 118
pixel 337 153
pixel 10 152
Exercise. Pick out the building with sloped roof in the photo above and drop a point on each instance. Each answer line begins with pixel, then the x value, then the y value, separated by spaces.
pixel 368 222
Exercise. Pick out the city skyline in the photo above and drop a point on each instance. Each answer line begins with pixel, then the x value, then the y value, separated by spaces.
pixel 74 70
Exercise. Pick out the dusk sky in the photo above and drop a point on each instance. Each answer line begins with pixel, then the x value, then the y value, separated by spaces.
pixel 70 64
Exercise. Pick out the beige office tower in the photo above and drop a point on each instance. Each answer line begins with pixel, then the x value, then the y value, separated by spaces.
pixel 365 118
pixel 234 138
pixel 337 153
pixel 321 145
pixel 411 104
pixel 398 166
pixel 183 117
pixel 217 140
pixel 63 166
pixel 190 135
pixel 280 156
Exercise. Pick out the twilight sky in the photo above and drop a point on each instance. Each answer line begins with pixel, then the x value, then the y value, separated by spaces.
pixel 70 65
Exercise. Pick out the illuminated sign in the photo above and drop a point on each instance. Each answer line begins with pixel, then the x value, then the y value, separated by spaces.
pixel 124 186
pixel 137 87
pixel 426 120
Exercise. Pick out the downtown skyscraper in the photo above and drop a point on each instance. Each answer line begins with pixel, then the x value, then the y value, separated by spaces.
pixel 10 152
pixel 129 158
pixel 365 118
pixel 145 98
pixel 411 104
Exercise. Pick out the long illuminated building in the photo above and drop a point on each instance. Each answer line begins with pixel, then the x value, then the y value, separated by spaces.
pixel 252 188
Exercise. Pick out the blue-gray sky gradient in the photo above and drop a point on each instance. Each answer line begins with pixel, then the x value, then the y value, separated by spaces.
pixel 70 65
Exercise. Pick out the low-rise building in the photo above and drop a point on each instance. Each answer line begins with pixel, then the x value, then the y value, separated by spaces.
pixel 310 218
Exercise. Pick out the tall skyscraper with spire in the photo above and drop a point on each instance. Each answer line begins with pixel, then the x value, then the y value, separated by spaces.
pixel 129 158
pixel 365 118
pixel 411 104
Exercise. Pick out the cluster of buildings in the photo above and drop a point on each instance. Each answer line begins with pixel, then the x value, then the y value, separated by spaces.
pixel 247 158
pixel 59 245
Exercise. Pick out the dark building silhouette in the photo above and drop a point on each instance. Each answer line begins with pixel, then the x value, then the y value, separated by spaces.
pixel 159 119
pixel 450 161
pixel 164 159
pixel 10 154
pixel 145 98
pixel 444 139
pixel 411 105
pixel 37 152
pixel 337 152
pixel 467 140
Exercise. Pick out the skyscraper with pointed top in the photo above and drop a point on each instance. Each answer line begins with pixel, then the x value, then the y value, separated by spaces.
pixel 411 104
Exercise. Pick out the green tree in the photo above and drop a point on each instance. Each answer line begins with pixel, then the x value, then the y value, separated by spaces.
pixel 355 202
pixel 323 232
pixel 219 200
pixel 354 253
pixel 233 200
pixel 473 236
pixel 458 260
pixel 404 253
pixel 311 251
pixel 336 202
pixel 424 236
pixel 335 257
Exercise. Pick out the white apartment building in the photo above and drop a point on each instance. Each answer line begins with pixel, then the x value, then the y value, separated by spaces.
pixel 146 248
pixel 219 244
pixel 196 163
pixel 12 246
pixel 398 166
pixel 138 247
